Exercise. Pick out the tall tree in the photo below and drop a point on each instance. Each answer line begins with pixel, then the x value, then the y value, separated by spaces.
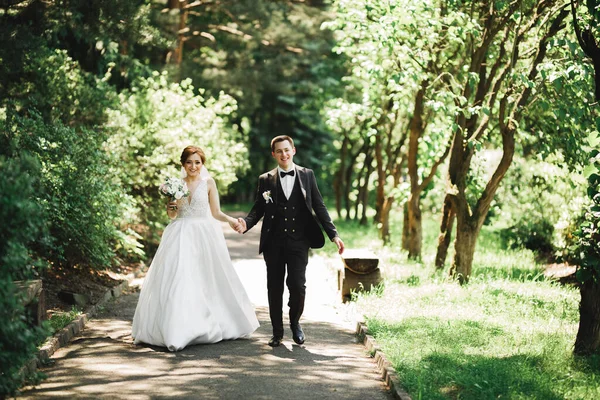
pixel 503 73
pixel 404 52
pixel 274 59
pixel 588 244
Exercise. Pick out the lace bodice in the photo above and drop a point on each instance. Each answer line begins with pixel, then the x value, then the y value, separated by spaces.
pixel 196 204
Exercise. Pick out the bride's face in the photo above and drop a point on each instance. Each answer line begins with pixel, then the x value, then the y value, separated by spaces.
pixel 193 165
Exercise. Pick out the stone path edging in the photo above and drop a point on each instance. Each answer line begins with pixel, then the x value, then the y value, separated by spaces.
pixel 385 367
pixel 64 336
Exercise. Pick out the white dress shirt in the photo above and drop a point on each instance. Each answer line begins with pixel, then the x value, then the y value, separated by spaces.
pixel 287 182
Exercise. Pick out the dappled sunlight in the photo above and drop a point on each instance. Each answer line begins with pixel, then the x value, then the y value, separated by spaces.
pixel 498 302
pixel 506 333
pixel 102 364
pixel 103 361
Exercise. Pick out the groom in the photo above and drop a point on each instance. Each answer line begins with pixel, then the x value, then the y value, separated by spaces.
pixel 292 206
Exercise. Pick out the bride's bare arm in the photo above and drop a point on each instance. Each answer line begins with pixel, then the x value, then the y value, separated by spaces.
pixel 215 205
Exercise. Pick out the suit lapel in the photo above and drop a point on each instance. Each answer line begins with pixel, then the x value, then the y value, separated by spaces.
pixel 273 178
pixel 302 180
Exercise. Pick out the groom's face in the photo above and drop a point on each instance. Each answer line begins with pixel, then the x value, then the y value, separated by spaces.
pixel 284 154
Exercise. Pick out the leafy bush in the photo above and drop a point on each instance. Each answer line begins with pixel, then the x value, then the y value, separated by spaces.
pixel 22 220
pixel 77 192
pixel 587 248
pixel 534 205
pixel 533 233
pixel 150 128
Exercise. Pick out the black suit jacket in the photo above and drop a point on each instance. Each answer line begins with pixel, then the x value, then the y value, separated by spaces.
pixel 312 197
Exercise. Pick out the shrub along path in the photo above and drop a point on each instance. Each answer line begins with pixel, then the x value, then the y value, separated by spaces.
pixel 103 362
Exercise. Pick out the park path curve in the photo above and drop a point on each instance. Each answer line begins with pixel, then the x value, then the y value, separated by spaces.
pixel 103 363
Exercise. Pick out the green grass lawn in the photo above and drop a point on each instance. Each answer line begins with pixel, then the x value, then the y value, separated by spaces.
pixel 508 334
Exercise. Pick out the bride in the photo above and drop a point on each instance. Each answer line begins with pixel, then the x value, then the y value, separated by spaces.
pixel 192 293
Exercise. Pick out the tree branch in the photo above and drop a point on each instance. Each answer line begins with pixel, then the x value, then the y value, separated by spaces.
pixel 247 37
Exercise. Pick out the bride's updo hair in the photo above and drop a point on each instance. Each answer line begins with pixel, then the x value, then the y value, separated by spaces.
pixel 188 151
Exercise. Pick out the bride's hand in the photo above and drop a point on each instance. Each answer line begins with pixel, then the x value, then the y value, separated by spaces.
pixel 242 227
pixel 172 205
pixel 233 224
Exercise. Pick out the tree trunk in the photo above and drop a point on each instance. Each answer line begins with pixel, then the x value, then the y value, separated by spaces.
pixel 413 208
pixel 380 191
pixel 464 246
pixel 384 230
pixel 361 178
pixel 365 196
pixel 338 182
pixel 415 227
pixel 445 236
pixel 365 202
pixel 183 14
pixel 405 227
pixel 348 186
pixel 588 335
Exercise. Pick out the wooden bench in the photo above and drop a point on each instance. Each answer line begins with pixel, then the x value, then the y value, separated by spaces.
pixel 360 272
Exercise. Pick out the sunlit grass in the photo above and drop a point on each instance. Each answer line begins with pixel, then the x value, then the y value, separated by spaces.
pixel 491 339
pixel 509 333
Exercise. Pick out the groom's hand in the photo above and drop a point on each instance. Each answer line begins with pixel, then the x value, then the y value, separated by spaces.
pixel 339 243
pixel 241 225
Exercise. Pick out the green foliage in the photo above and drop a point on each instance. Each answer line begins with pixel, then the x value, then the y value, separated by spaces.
pixel 22 221
pixel 396 49
pixel 538 205
pixel 61 319
pixel 560 119
pixel 110 38
pixel 54 109
pixel 275 60
pixel 507 334
pixel 154 121
pixel 78 192
pixel 587 247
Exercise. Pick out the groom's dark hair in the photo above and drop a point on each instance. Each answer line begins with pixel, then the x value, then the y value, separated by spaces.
pixel 281 138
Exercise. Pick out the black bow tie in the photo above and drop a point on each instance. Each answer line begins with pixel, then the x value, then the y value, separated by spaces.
pixel 290 173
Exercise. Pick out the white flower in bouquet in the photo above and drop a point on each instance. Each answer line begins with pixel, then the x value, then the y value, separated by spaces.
pixel 174 188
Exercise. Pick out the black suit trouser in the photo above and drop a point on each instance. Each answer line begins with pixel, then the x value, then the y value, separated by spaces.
pixel 278 255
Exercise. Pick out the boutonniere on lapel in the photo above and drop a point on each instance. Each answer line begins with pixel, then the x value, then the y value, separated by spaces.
pixel 267 196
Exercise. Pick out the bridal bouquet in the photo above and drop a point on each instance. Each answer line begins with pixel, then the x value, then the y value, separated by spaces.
pixel 174 188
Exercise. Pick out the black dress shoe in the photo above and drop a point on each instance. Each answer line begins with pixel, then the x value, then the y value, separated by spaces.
pixel 298 334
pixel 275 341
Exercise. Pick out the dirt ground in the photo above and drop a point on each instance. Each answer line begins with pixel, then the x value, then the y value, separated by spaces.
pixel 58 283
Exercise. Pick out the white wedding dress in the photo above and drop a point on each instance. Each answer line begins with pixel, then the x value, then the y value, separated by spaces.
pixel 192 293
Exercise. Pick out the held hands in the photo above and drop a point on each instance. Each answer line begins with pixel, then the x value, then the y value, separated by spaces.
pixel 241 225
pixel 339 243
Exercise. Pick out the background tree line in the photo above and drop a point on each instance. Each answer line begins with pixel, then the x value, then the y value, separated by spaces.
pixel 469 112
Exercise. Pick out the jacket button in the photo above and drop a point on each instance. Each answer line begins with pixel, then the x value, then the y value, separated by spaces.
pixel 286 219
pixel 285 208
pixel 285 230
pixel 293 219
pixel 293 230
pixel 272 216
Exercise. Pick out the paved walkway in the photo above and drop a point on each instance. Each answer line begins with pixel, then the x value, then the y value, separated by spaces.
pixel 103 362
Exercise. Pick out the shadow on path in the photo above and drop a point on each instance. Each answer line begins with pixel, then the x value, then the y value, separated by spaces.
pixel 103 362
